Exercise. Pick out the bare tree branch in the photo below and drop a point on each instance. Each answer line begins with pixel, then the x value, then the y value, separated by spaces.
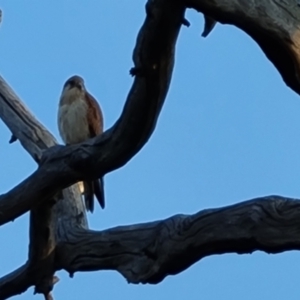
pixel 16 282
pixel 20 280
pixel 273 24
pixel 22 123
pixel 63 166
pixel 147 253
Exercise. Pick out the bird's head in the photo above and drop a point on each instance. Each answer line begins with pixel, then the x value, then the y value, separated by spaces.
pixel 74 82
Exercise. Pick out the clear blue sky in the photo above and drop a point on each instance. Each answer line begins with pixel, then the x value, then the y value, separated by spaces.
pixel 229 131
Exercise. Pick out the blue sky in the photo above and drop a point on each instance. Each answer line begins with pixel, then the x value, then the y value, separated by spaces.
pixel 229 131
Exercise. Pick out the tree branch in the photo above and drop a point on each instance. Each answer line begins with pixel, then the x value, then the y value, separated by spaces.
pixel 62 166
pixel 273 24
pixel 16 282
pixel 20 280
pixel 147 253
pixel 23 124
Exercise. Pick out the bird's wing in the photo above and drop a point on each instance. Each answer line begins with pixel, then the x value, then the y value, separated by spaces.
pixel 95 117
pixel 95 123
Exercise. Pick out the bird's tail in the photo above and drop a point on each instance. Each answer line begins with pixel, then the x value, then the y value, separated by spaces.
pixel 94 187
pixel 99 191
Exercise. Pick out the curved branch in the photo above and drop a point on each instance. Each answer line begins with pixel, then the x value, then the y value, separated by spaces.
pixel 62 166
pixel 18 281
pixel 273 24
pixel 147 253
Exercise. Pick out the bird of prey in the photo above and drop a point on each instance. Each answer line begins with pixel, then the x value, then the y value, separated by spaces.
pixel 80 118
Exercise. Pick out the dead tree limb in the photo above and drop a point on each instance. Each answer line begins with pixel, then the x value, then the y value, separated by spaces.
pixel 147 253
pixel 273 24
pixel 23 124
pixel 62 166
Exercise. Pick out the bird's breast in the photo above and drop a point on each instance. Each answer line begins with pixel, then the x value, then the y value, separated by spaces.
pixel 72 121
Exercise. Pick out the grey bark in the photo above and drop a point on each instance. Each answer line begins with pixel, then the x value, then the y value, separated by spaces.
pixel 146 253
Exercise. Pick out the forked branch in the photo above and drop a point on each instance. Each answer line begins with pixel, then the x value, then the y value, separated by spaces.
pixel 62 166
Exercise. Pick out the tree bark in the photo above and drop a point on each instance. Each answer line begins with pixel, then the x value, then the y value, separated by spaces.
pixel 59 234
pixel 147 253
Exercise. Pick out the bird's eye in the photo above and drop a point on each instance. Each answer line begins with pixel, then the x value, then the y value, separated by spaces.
pixel 68 84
